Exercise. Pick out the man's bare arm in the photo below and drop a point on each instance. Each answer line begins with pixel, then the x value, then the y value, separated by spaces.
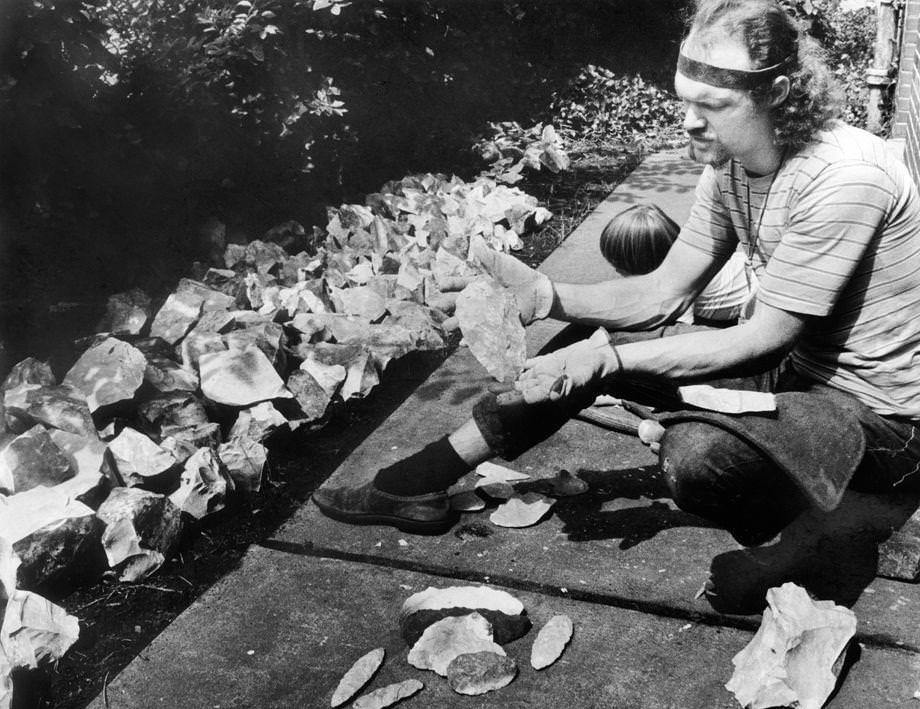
pixel 638 302
pixel 771 332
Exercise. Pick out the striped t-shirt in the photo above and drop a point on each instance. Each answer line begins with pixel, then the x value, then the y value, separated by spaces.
pixel 834 233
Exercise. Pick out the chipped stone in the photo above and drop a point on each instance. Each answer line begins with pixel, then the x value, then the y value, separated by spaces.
pixel 309 394
pixel 108 373
pixel 480 672
pixel 126 312
pixel 491 326
pixel 204 486
pixel 362 301
pixel 551 641
pixel 183 441
pixel 62 407
pixel 240 377
pixel 361 375
pixel 31 372
pixel 504 612
pixel 138 523
pixel 173 409
pixel 358 675
pixel 32 459
pixel 257 422
pixel 446 639
pixel 176 316
pixel 389 695
pixel 522 510
pixel 244 460
pixel 140 462
pixel 794 659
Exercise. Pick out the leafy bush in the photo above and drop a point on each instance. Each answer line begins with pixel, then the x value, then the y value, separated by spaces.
pixel 605 106
pixel 847 38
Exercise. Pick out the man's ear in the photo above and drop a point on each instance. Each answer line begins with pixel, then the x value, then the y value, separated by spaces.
pixel 779 91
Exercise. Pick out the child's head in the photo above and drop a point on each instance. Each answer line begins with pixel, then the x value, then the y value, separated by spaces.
pixel 637 239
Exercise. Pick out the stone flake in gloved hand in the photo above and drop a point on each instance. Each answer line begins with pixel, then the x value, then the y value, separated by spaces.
pixel 491 327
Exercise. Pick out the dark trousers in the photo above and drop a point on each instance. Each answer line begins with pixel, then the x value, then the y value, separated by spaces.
pixel 710 471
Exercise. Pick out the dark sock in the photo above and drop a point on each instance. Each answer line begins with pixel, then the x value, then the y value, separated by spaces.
pixel 432 469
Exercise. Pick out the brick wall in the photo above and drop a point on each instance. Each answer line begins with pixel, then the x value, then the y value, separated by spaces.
pixel 906 122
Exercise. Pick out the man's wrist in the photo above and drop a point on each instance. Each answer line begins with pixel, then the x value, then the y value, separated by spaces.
pixel 544 297
pixel 611 362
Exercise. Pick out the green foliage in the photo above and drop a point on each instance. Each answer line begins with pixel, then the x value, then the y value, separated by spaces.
pixel 511 149
pixel 847 38
pixel 850 47
pixel 602 105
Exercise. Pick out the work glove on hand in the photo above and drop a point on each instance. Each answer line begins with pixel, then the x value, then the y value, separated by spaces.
pixel 570 372
pixel 533 290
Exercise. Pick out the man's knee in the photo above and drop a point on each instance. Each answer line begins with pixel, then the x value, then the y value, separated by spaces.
pixel 688 454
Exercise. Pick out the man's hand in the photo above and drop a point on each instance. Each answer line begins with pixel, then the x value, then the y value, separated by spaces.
pixel 532 290
pixel 569 371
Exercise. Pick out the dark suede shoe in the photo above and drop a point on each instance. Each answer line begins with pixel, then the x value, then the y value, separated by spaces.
pixel 417 514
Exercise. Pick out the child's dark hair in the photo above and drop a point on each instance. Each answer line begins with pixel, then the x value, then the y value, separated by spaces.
pixel 637 239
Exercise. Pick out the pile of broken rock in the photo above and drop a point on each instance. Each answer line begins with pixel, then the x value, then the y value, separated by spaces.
pixel 167 411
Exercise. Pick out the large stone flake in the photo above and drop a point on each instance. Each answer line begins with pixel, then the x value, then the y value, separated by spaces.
pixel 108 373
pixel 264 256
pixel 420 320
pixel 240 377
pixel 35 630
pixel 504 612
pixel 61 407
pixel 258 421
pixel 61 541
pixel 204 486
pixel 361 301
pixel 361 375
pixel 244 460
pixel 211 299
pixel 140 462
pixel 309 394
pixel 166 375
pixel 30 371
pixel 126 312
pixel 183 441
pixel 177 316
pixel 86 455
pixel 197 344
pixel 443 641
pixel 796 655
pixel 328 376
pixel 268 337
pixel 491 326
pixel 180 408
pixel 55 537
pixel 139 525
pixel 32 459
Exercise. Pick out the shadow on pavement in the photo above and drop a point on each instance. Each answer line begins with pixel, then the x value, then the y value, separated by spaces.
pixel 834 555
pixel 622 504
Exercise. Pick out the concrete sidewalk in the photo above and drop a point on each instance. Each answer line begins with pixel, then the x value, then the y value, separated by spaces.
pixel 620 560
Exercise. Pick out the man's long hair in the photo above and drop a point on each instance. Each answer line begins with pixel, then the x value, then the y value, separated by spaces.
pixel 771 36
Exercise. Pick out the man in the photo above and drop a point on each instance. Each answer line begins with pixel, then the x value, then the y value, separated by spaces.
pixel 830 225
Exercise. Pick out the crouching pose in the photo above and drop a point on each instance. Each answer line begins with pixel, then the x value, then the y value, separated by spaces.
pixel 829 225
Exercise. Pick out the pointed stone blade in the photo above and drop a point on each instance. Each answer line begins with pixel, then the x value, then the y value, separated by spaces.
pixel 389 695
pixel 551 641
pixel 357 676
